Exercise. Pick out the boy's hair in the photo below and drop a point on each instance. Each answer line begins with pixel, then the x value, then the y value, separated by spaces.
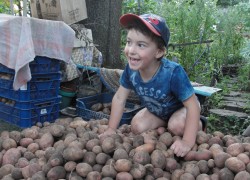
pixel 142 28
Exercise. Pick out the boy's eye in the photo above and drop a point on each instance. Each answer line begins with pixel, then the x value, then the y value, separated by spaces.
pixel 128 42
pixel 141 45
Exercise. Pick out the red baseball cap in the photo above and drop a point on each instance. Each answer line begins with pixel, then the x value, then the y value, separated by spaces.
pixel 155 24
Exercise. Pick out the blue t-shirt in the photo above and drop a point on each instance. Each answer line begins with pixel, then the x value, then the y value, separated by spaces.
pixel 164 93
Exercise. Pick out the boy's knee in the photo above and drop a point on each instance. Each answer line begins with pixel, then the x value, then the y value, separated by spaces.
pixel 136 126
pixel 176 128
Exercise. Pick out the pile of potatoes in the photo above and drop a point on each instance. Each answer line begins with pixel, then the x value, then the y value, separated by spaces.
pixel 71 148
pixel 106 108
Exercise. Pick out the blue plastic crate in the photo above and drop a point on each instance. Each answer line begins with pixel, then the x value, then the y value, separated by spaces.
pixel 29 109
pixel 43 65
pixel 28 122
pixel 40 65
pixel 83 107
pixel 39 87
pixel 41 81
pixel 26 95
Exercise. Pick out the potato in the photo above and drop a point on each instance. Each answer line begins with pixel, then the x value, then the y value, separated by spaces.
pixel 77 122
pixel 56 159
pixel 30 133
pixel 187 176
pixel 16 173
pixel 161 130
pixel 198 155
pixel 22 162
pixel 97 149
pixel 214 176
pixel 90 158
pixel 11 156
pixel 123 165
pixel 244 158
pixel 235 164
pixel 124 176
pixel 149 137
pixel 168 153
pixel 109 171
pixel 24 142
pixel 138 140
pixel 160 146
pixel 201 137
pixel 243 175
pixel 70 166
pixel 141 157
pixel 166 138
pixel 235 149
pixel 138 171
pixel 94 175
pixel 171 164
pixel 203 166
pixel 157 159
pixel 9 143
pixel 73 154
pixel 57 172
pixel 97 107
pixel 203 177
pixel 16 135
pixel 149 147
pixel 46 141
pixel 226 174
pixel 102 158
pixel 203 146
pixel 46 168
pixel 108 145
pixel 33 147
pixel 5 170
pixel 220 159
pixel 120 154
pixel 106 111
pixel 215 149
pixel 192 169
pixel 215 140
pixel 157 173
pixel 57 130
pixel 29 155
pixel 39 175
pixel 91 143
pixel 30 170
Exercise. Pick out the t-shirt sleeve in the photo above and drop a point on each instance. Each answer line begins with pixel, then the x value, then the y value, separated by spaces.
pixel 181 85
pixel 124 79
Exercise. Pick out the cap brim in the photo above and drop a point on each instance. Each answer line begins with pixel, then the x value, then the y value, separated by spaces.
pixel 126 19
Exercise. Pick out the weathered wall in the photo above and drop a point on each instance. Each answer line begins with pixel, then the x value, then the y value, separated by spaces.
pixel 103 20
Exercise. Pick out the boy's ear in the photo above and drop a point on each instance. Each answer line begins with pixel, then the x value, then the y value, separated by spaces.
pixel 160 53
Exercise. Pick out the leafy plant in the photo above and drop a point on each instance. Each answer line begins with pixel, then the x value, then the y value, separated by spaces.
pixel 191 24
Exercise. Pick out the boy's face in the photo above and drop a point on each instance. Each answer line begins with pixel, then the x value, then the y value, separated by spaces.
pixel 141 51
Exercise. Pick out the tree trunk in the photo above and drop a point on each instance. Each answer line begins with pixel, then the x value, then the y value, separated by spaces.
pixel 103 20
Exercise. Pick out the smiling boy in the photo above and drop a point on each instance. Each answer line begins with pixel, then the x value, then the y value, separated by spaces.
pixel 162 85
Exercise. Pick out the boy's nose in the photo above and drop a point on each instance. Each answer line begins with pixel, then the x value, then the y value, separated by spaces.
pixel 132 49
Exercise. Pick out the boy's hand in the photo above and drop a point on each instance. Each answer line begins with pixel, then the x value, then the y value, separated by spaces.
pixel 180 147
pixel 107 133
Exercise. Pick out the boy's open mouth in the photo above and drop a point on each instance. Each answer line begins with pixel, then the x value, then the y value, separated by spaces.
pixel 134 61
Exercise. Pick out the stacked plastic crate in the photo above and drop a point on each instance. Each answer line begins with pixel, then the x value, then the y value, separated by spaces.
pixel 38 100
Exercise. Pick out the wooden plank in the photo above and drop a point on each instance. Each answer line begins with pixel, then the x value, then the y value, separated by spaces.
pixel 228 113
pixel 206 90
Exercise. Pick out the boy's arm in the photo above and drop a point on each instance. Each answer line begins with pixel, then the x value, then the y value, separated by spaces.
pixel 183 146
pixel 192 120
pixel 117 107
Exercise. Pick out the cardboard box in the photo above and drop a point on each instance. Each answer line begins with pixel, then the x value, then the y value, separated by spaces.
pixel 69 11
